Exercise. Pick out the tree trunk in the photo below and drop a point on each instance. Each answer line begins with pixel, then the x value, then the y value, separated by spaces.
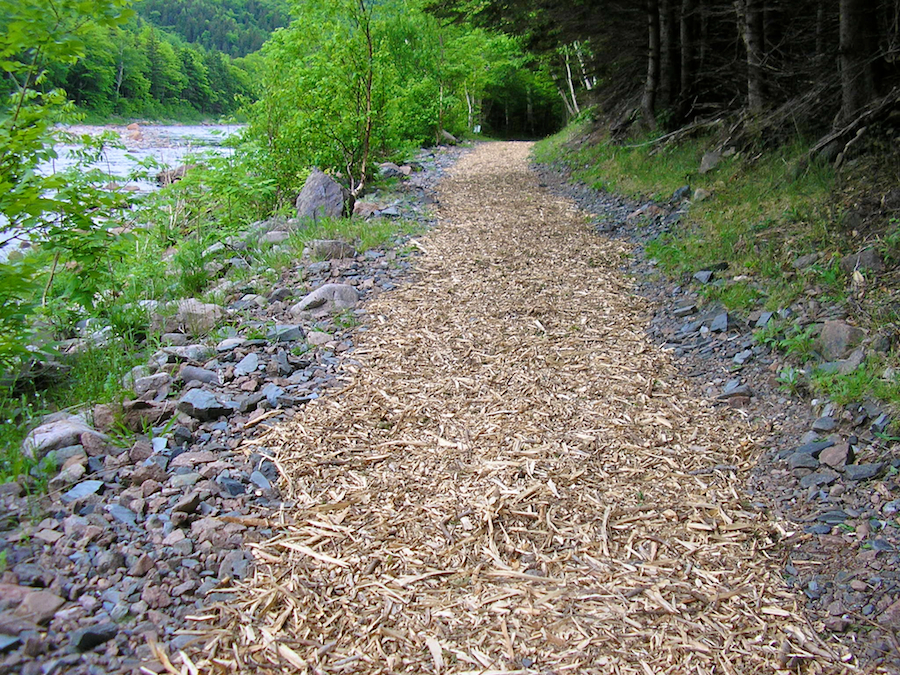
pixel 750 22
pixel 857 50
pixel 648 101
pixel 668 57
pixel 688 54
pixel 370 76
pixel 570 82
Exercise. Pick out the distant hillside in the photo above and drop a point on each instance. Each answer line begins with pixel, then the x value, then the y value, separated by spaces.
pixel 235 27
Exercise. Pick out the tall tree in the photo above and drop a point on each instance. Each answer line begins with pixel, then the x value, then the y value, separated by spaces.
pixel 858 49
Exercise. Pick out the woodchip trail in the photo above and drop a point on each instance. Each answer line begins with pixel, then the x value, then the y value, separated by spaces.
pixel 515 480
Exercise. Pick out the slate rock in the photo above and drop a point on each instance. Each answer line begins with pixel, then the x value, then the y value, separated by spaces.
pixel 859 472
pixel 144 385
pixel 286 333
pixel 330 249
pixel 818 479
pixel 196 353
pixel 204 405
pixel 805 261
pixel 247 365
pixel 815 448
pixel 232 487
pixel 681 194
pixel 190 373
pixel 90 637
pixel 82 490
pixel 710 161
pixel 260 481
pixel 323 197
pixel 230 344
pixel 704 276
pixel 824 423
pixel 802 460
pixel 832 517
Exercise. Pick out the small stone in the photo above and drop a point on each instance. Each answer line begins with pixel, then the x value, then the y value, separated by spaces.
pixel 818 479
pixel 122 514
pixel 720 323
pixel 141 566
pixel 704 276
pixel 802 460
pixel 836 624
pixel 260 481
pixel 188 504
pixel 93 636
pixel 815 448
pixel 837 455
pixel 247 365
pixel 838 339
pixel 232 487
pixel 832 517
pixel 824 424
pixel 39 606
pixel 859 472
pixel 204 405
pixel 82 490
pixel 109 561
pixel 190 373
pixel 144 385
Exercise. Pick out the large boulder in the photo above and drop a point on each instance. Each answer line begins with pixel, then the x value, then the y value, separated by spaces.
pixel 62 432
pixel 323 197
pixel 838 339
pixel 328 299
pixel 196 317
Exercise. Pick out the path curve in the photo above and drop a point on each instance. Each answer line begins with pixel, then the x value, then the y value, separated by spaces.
pixel 515 479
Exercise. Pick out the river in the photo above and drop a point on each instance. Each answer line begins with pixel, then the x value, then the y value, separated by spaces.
pixel 168 145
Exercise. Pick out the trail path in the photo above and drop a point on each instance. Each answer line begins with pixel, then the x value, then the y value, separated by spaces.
pixel 516 479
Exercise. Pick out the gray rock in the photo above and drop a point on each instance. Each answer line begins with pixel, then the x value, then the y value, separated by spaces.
pixel 260 481
pixel 86 639
pixel 247 365
pixel 323 197
pixel 720 323
pixel 710 161
pixel 742 357
pixel 815 448
pixel 272 392
pixel 867 260
pixel 735 388
pixel 684 310
pixel 764 319
pixel 704 276
pixel 837 455
pixel 230 486
pixel 824 423
pixel 286 333
pixel 390 170
pixel 701 195
pixel 328 298
pixel 838 339
pixel 204 405
pixel 190 373
pixel 275 237
pixel 858 472
pixel 234 565
pixel 832 517
pixel 803 460
pixel 818 479
pixel 229 344
pixel 82 490
pixel 143 385
pixel 122 514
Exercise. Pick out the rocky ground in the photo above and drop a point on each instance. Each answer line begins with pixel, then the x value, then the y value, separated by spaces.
pixel 829 472
pixel 147 521
pixel 153 501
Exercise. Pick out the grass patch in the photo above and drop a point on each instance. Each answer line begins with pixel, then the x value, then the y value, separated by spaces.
pixel 759 217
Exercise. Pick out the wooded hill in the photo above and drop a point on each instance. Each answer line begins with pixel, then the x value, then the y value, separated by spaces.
pixel 234 27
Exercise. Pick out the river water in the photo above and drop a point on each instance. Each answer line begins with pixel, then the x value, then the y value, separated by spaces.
pixel 167 145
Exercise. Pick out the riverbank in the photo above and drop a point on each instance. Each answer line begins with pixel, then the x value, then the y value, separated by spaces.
pixel 153 501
